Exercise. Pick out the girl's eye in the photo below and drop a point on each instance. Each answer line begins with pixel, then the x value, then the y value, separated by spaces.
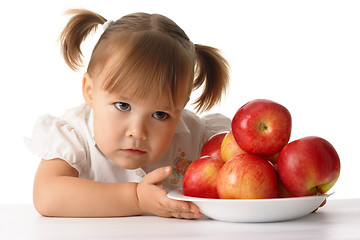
pixel 160 115
pixel 123 106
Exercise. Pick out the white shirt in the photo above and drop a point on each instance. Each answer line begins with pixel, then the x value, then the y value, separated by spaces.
pixel 71 138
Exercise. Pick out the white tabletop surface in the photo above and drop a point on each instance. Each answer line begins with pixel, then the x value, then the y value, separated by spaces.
pixel 338 219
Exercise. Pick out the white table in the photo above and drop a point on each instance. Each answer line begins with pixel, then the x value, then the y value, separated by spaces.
pixel 338 219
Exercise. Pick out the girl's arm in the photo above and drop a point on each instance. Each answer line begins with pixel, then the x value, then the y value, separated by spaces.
pixel 59 192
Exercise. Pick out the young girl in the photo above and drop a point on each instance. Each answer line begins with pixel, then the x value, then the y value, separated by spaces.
pixel 119 154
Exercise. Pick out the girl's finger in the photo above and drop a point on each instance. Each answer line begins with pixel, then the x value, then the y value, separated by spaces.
pixel 194 208
pixel 157 175
pixel 186 215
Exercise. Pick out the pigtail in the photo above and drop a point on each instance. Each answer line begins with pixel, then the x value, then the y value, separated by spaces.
pixel 212 70
pixel 77 29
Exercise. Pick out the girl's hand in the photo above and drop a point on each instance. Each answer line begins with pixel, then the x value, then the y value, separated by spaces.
pixel 152 197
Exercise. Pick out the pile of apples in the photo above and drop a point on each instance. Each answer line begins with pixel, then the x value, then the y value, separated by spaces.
pixel 255 160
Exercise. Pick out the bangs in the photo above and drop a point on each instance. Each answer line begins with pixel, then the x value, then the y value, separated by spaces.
pixel 150 62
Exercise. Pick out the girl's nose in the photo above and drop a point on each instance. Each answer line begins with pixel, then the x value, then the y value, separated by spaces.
pixel 137 129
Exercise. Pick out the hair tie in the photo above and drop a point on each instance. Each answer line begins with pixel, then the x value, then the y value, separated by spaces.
pixel 107 24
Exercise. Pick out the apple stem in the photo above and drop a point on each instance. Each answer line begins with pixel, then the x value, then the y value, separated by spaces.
pixel 318 193
pixel 263 126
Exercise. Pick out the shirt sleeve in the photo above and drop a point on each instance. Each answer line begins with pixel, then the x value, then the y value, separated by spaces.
pixel 56 138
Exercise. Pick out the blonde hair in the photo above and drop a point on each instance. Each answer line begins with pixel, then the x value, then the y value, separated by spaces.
pixel 147 52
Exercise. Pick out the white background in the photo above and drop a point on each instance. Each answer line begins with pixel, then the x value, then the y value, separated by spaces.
pixel 302 54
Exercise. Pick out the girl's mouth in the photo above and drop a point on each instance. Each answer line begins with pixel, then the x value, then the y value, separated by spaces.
pixel 133 151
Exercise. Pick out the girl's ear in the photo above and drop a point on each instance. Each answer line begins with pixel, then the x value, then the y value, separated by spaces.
pixel 88 89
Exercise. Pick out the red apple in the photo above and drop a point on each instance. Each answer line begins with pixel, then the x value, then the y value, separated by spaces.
pixel 262 127
pixel 229 147
pixel 200 177
pixel 247 176
pixel 282 192
pixel 308 166
pixel 212 147
pixel 272 159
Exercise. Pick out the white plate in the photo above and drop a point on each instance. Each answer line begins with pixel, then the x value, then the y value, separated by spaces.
pixel 253 210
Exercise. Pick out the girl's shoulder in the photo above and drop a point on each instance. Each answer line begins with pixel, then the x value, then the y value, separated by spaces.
pixel 62 137
pixel 208 124
pixel 196 130
pixel 74 122
pixel 77 116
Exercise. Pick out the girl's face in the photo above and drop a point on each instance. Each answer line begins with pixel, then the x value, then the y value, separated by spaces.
pixel 130 131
